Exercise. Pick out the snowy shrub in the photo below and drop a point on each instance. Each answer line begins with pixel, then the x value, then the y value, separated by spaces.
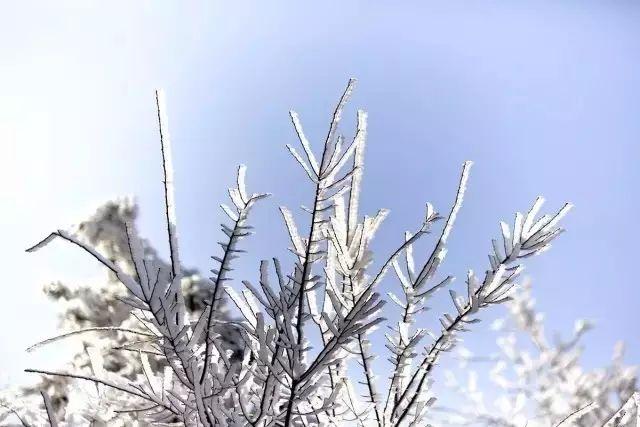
pixel 171 356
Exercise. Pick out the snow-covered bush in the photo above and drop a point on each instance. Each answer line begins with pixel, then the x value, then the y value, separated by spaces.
pixel 180 360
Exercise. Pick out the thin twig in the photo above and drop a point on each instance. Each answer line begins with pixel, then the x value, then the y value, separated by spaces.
pixel 107 383
pixel 82 331
pixel 49 408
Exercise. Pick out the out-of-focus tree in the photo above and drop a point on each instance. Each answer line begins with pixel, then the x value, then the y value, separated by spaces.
pixel 99 306
pixel 539 381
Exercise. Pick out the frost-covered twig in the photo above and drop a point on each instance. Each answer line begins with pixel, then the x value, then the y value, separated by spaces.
pixel 575 416
pixel 160 296
pixel 528 239
pixel 82 331
pixel 404 344
pixel 169 196
pixel 15 413
pixel 242 203
pixel 128 390
pixel 624 414
pixel 309 251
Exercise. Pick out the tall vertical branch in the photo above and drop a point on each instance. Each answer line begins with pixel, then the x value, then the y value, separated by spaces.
pixel 175 326
pixel 169 197
pixel 243 204
pixel 363 348
pixel 412 287
pixel 325 180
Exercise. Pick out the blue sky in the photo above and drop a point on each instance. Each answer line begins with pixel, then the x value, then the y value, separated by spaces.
pixel 543 96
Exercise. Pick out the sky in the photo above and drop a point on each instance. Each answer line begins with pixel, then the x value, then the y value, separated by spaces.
pixel 543 96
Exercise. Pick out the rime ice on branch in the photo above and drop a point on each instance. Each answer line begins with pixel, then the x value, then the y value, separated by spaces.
pixel 330 292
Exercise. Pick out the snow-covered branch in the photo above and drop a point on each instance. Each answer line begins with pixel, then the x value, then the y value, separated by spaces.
pixel 300 328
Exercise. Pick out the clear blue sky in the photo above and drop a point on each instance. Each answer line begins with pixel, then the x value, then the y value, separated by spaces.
pixel 543 96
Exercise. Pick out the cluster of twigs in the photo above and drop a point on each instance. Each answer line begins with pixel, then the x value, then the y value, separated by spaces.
pixel 329 294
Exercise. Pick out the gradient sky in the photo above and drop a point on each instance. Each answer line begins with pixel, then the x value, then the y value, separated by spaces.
pixel 543 96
